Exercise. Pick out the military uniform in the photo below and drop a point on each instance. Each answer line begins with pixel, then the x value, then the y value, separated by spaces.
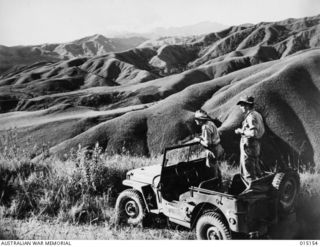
pixel 211 140
pixel 252 130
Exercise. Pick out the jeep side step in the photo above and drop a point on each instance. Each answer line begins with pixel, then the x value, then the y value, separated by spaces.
pixel 180 222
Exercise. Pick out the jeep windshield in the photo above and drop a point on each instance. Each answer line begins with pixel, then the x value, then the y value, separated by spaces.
pixel 183 153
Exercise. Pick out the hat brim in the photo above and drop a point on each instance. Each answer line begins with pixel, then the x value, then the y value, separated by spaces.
pixel 201 118
pixel 243 102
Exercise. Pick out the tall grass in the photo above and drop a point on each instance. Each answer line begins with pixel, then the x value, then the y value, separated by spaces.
pixel 38 229
pixel 308 206
pixel 81 189
pixel 84 187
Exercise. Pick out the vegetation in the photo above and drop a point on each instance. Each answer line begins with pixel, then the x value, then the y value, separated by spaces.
pixel 78 190
pixel 54 199
pixel 80 193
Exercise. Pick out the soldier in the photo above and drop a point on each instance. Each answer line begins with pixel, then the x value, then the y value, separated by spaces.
pixel 210 139
pixel 251 132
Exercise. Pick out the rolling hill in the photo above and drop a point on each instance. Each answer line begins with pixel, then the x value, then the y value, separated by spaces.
pixel 143 99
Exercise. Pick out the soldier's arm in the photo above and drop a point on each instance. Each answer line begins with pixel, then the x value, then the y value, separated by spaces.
pixel 216 137
pixel 204 137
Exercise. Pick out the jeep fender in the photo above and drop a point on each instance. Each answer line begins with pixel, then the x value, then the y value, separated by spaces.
pixel 204 207
pixel 201 209
pixel 146 191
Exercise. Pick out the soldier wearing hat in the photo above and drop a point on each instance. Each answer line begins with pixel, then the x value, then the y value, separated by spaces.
pixel 210 139
pixel 251 132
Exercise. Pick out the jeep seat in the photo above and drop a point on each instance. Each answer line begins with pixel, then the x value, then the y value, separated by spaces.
pixel 178 179
pixel 237 185
pixel 260 185
pixel 210 184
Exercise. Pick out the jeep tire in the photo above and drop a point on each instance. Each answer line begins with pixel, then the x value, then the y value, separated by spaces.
pixel 130 208
pixel 288 185
pixel 211 226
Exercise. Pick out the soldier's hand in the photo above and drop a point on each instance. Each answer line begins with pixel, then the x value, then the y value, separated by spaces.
pixel 238 131
pixel 196 139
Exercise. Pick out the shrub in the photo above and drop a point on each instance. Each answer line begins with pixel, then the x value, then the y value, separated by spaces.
pixel 81 189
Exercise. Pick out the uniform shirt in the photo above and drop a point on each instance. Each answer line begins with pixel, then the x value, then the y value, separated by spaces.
pixel 210 136
pixel 253 125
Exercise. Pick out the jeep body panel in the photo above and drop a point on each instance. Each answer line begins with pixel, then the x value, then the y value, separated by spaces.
pixel 178 212
pixel 184 212
pixel 227 204
pixel 145 175
pixel 244 213
pixel 146 180
pixel 149 194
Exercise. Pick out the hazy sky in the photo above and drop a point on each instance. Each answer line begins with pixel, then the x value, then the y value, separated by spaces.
pixel 45 21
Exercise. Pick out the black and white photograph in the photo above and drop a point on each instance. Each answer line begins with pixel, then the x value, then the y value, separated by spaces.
pixel 159 120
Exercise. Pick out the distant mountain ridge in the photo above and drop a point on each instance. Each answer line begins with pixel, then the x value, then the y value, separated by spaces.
pixel 86 47
pixel 200 28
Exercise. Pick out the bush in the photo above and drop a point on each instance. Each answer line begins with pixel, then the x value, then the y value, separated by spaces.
pixel 81 189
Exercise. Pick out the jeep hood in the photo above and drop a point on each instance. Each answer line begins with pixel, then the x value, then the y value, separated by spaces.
pixel 144 174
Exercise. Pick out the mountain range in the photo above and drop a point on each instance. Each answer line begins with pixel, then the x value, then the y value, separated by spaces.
pixel 200 28
pixel 143 99
pixel 17 56
pixel 94 45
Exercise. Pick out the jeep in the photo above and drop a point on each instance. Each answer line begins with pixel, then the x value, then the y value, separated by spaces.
pixel 183 189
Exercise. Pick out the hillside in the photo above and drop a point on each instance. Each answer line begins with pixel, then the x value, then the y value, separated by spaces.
pixel 143 99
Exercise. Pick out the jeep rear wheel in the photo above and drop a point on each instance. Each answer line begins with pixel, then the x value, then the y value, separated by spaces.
pixel 210 226
pixel 130 208
pixel 288 185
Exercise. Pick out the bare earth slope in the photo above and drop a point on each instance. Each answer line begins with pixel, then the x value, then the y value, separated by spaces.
pixel 143 99
pixel 287 95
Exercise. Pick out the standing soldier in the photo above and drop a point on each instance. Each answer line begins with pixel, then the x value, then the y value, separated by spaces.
pixel 210 139
pixel 251 132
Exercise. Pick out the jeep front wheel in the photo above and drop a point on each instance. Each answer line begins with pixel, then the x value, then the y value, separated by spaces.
pixel 130 208
pixel 210 226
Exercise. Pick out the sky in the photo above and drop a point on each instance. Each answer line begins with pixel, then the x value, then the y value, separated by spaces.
pixel 28 22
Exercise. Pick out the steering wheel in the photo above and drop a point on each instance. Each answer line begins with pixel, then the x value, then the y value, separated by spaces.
pixel 191 175
pixel 179 170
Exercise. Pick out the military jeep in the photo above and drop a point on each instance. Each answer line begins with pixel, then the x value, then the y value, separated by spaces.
pixel 183 189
